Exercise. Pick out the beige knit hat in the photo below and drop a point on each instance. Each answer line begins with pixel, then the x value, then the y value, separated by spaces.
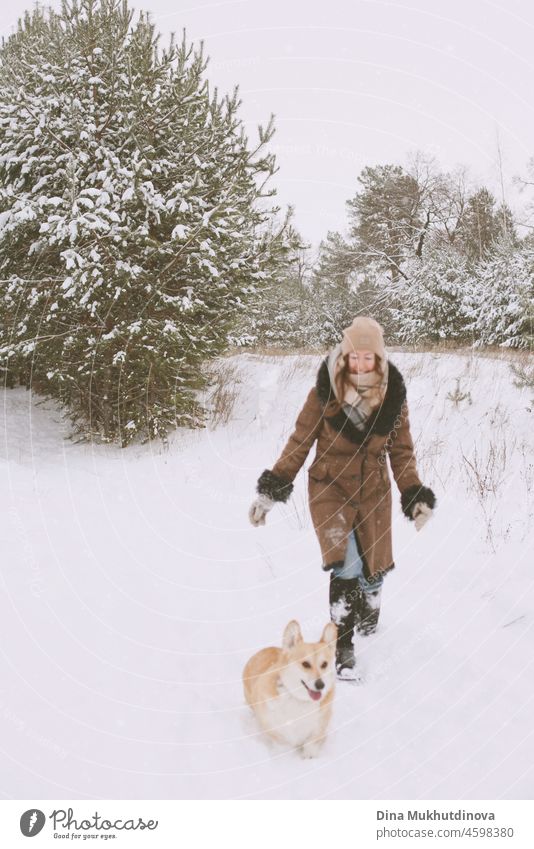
pixel 364 334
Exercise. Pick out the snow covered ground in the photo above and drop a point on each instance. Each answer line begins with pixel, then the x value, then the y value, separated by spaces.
pixel 135 589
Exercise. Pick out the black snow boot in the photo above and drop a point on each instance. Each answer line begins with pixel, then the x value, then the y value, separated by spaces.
pixel 368 611
pixel 344 595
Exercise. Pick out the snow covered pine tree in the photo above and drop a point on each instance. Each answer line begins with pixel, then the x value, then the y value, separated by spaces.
pixel 501 300
pixel 133 223
pixel 428 300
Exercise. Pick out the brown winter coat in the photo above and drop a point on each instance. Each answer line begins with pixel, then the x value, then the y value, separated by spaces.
pixel 348 481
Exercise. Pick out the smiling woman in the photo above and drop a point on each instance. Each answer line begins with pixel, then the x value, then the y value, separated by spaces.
pixel 357 413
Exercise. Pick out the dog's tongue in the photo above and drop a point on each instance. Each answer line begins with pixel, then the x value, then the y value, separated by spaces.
pixel 315 694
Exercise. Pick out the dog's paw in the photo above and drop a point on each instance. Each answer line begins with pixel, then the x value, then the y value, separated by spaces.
pixel 310 750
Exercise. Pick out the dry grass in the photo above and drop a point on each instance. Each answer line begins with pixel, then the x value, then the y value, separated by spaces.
pixel 527 468
pixel 295 368
pixel 485 475
pixel 449 347
pixel 414 369
pixel 429 455
pixel 274 351
pixel 223 392
pixel 526 475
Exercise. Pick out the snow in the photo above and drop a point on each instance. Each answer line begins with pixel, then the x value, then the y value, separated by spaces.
pixel 135 589
pixel 339 611
pixel 179 232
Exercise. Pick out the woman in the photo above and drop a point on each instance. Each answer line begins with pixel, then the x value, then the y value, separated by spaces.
pixel 358 413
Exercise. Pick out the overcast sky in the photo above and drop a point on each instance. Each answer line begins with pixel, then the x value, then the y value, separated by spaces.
pixel 361 82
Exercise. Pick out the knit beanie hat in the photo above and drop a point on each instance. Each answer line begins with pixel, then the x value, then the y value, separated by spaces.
pixel 364 334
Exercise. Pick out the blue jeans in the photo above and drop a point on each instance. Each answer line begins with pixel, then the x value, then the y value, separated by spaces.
pixel 353 566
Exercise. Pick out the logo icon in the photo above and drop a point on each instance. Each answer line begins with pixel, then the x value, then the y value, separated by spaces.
pixel 31 822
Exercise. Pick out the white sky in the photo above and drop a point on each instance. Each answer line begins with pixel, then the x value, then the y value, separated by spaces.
pixel 361 82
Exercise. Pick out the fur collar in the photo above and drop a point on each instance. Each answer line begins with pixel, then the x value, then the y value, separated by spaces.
pixel 381 422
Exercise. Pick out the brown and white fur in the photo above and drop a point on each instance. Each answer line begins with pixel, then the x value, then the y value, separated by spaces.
pixel 291 689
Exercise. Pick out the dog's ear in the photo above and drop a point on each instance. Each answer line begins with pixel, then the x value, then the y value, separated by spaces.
pixel 292 635
pixel 329 634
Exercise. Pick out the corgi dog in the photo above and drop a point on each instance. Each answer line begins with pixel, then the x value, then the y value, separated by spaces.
pixel 291 689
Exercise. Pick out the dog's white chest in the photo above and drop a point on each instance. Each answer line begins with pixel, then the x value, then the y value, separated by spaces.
pixel 293 720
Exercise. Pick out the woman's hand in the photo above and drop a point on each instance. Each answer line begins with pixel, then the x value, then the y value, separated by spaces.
pixel 259 509
pixel 421 513
pixel 418 502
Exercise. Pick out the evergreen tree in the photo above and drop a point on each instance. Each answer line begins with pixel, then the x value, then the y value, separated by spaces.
pixel 384 217
pixel 337 260
pixel 415 256
pixel 483 225
pixel 500 303
pixel 384 230
pixel 353 273
pixel 278 314
pixel 133 225
pixel 331 307
pixel 429 300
